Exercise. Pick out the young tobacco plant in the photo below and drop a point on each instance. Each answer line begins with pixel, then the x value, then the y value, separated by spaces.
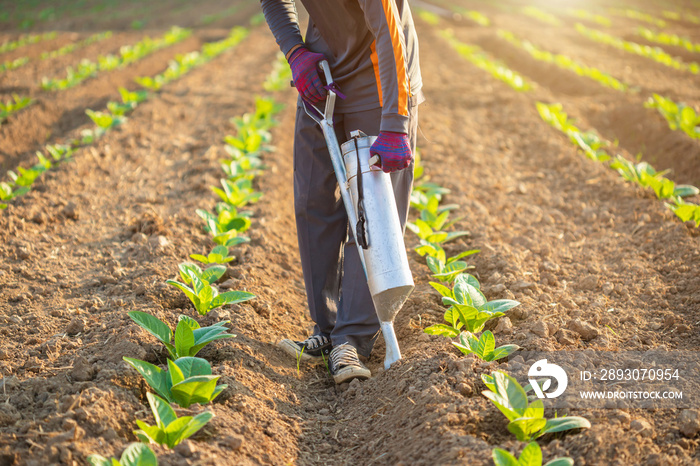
pixel 469 309
pixel 444 268
pixel 169 430
pixel 218 255
pixel 206 297
pixel 190 338
pixel 237 193
pixel 527 421
pixel 209 275
pixel 188 380
pixel 483 347
pixel 530 456
pixel 226 226
pixel 136 454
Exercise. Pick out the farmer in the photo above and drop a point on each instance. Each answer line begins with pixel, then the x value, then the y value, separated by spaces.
pixel 372 49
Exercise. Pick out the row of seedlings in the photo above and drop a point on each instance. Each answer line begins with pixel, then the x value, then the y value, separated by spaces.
pixel 65 50
pixel 468 311
pixel 128 54
pixel 21 180
pixel 678 116
pixel 640 173
pixel 10 45
pixel 188 379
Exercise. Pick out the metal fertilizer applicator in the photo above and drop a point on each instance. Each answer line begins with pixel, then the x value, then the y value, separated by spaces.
pixel 374 219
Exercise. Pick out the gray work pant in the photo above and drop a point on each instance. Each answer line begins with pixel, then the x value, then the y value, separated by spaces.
pixel 336 287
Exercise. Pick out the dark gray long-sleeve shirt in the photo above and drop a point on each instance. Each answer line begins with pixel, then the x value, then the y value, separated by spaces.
pixel 371 47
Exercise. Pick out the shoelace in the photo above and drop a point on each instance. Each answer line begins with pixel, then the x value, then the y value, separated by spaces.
pixel 344 355
pixel 315 341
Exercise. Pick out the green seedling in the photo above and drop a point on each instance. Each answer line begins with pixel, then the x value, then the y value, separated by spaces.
pixel 13 64
pixel 136 454
pixel 104 121
pixel 686 211
pixel 218 255
pixel 190 338
pixel 248 141
pixel 483 347
pixel 169 430
pixel 646 176
pixel 244 168
pixel 226 227
pixel 668 39
pixel 26 40
pixel 679 116
pixel 426 195
pixel 469 310
pixel 206 297
pixel 426 233
pixel 527 421
pixel 530 456
pixel 60 151
pixel 12 106
pixel 132 97
pixel 188 380
pixel 209 275
pixel 237 193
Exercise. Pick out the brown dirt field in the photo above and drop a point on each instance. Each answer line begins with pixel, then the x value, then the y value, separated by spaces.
pixel 99 236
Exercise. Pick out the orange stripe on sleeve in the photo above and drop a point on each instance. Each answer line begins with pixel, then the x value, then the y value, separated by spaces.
pixel 402 76
pixel 375 65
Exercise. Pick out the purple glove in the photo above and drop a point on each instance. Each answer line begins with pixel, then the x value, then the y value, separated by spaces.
pixel 393 150
pixel 305 74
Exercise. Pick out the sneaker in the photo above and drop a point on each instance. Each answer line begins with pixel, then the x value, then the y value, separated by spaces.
pixel 315 348
pixel 345 365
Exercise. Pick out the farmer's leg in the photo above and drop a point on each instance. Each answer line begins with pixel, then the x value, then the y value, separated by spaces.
pixel 321 222
pixel 357 321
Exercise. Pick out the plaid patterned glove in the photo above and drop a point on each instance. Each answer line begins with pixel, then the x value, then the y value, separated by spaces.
pixel 393 150
pixel 305 74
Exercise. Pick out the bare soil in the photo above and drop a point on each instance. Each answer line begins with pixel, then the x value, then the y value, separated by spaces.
pixel 566 237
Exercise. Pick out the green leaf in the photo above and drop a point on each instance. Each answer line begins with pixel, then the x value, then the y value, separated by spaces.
pixel 194 425
pixel 213 273
pixel 503 351
pixel 184 339
pixel 503 458
pixel 486 345
pixel 442 329
pixel 153 325
pixel 526 428
pixel 156 378
pixel 561 424
pixel 173 430
pixel 148 433
pixel 442 289
pixel 231 297
pixel 197 389
pixel 161 409
pixel 97 460
pixel 560 462
pixel 499 305
pixel 185 289
pixel 531 455
pixel 175 373
pixel 194 325
pixel 206 335
pixel 191 366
